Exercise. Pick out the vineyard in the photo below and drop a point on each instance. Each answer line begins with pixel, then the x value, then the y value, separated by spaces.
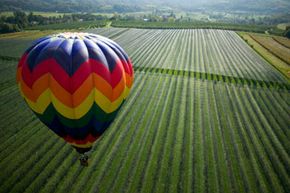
pixel 206 114
pixel 196 25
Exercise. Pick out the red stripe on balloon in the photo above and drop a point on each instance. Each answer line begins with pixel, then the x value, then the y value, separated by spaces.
pixel 89 139
pixel 22 60
pixel 71 84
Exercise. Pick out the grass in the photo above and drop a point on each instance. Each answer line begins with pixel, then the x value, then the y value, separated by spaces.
pixel 199 118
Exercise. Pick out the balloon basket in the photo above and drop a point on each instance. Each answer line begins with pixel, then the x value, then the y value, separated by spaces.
pixel 84 160
pixel 83 152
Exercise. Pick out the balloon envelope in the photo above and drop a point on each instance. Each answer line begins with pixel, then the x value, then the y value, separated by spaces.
pixel 75 83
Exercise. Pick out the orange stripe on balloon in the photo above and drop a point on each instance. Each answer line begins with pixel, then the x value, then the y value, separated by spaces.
pixel 129 80
pixel 47 81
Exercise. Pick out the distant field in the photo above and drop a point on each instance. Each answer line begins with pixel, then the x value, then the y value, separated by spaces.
pixel 281 65
pixel 282 40
pixel 206 114
pixel 274 47
pixel 283 26
pixel 70 26
pixel 44 14
pixel 198 25
pixel 209 51
pixel 14 44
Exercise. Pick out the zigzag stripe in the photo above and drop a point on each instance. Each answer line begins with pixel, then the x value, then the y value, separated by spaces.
pixel 93 126
pixel 71 84
pixel 94 114
pixel 76 132
pixel 93 81
pixel 120 52
pixel 95 96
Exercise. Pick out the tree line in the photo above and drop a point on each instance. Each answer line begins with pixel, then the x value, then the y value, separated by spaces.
pixel 20 20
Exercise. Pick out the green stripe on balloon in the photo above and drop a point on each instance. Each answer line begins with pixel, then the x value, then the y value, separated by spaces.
pixel 95 112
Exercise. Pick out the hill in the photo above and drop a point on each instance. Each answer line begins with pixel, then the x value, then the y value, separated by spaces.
pixel 276 6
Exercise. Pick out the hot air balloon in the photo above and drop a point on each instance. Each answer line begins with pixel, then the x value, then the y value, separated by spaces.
pixel 75 83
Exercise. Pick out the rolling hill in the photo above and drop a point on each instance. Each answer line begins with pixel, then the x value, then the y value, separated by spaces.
pixel 134 5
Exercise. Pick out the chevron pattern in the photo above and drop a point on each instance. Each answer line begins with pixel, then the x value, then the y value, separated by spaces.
pixel 75 83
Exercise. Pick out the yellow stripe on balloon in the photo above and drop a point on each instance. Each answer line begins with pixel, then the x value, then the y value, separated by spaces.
pixel 126 92
pixel 96 96
pixel 81 145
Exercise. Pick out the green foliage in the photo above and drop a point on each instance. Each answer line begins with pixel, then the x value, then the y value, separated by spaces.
pixel 70 25
pixel 187 125
pixel 21 20
pixel 67 6
pixel 8 28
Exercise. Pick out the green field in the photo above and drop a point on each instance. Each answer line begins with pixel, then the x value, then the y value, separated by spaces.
pixel 206 114
pixel 199 25
pixel 283 26
pixel 44 14
pixel 269 54
pixel 70 25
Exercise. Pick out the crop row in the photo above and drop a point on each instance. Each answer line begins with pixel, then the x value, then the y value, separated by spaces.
pixel 282 40
pixel 277 63
pixel 174 134
pixel 182 129
pixel 196 25
pixel 274 47
pixel 215 77
pixel 200 50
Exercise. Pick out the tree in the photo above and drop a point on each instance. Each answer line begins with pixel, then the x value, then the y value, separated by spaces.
pixel 20 18
pixel 8 28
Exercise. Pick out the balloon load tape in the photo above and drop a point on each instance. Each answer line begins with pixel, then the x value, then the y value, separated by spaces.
pixel 82 150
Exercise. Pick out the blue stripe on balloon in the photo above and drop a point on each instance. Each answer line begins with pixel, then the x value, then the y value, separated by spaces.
pixel 96 53
pixel 48 51
pixel 34 52
pixel 79 55
pixel 114 45
pixel 94 127
pixel 110 55
pixel 63 55
pixel 40 40
pixel 71 53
